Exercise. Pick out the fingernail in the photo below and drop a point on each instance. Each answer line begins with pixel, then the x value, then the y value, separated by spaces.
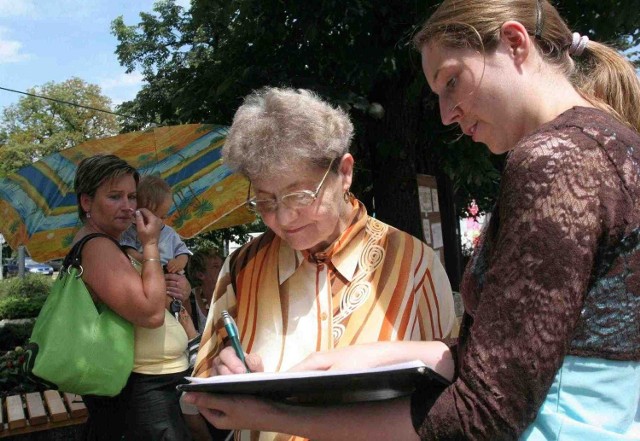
pixel 137 212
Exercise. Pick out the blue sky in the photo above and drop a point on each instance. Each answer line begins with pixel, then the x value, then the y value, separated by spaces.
pixel 53 40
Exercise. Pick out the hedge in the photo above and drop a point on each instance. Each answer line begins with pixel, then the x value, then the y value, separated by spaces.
pixel 16 306
pixel 23 297
pixel 31 285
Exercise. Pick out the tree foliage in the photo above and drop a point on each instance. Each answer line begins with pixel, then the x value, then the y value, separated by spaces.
pixel 220 239
pixel 199 63
pixel 35 127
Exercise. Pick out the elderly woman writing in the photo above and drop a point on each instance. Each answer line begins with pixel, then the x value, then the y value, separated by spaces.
pixel 148 407
pixel 549 347
pixel 325 275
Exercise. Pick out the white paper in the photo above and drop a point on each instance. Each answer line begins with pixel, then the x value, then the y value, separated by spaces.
pixel 436 234
pixel 262 376
pixel 426 228
pixel 424 194
pixel 434 197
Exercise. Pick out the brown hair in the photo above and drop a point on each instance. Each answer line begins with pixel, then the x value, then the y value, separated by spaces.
pixel 152 192
pixel 96 170
pixel 198 263
pixel 600 74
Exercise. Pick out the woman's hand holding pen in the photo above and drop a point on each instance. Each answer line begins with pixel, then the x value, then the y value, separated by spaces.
pixel 227 362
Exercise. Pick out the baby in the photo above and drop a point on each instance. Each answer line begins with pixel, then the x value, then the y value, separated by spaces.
pixel 154 194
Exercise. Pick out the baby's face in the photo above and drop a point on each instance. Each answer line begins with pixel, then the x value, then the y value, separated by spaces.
pixel 163 209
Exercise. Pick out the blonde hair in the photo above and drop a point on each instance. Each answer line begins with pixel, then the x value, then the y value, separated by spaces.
pixel 277 128
pixel 152 192
pixel 600 74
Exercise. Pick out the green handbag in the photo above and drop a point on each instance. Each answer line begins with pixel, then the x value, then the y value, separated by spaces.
pixel 76 345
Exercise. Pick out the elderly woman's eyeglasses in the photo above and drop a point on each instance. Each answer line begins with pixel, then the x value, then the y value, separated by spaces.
pixel 295 200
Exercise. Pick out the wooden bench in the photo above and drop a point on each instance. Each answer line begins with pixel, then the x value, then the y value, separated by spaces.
pixel 37 411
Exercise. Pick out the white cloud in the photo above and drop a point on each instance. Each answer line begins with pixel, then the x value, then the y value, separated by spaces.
pixel 10 50
pixel 123 80
pixel 123 87
pixel 12 8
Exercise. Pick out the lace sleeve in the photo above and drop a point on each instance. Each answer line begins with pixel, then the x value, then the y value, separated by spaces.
pixel 532 294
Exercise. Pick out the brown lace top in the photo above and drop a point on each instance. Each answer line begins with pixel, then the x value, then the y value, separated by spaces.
pixel 557 273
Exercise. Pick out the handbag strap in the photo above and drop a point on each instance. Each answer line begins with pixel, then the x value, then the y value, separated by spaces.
pixel 74 258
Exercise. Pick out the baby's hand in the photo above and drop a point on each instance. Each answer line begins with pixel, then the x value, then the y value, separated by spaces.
pixel 173 266
pixel 187 324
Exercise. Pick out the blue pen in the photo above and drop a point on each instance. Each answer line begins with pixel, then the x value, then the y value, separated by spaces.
pixel 232 331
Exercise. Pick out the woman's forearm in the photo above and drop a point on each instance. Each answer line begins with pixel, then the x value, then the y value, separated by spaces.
pixel 434 354
pixel 369 421
pixel 372 421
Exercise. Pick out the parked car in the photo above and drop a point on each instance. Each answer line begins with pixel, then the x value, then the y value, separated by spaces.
pixel 30 266
pixel 56 264
pixel 5 267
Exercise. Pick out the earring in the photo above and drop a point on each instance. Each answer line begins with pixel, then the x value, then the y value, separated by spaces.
pixel 348 196
pixel 88 215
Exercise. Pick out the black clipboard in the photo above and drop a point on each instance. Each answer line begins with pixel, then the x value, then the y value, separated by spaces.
pixel 323 387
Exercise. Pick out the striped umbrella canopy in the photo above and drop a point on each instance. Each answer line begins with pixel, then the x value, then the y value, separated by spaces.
pixel 38 206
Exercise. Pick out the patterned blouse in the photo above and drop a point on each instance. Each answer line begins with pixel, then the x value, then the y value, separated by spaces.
pixel 557 273
pixel 373 283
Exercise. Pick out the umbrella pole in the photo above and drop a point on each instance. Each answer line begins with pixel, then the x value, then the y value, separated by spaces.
pixel 21 261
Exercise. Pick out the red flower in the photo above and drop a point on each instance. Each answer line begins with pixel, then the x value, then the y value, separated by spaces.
pixel 473 208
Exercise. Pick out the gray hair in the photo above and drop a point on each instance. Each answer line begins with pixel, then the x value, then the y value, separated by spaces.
pixel 96 170
pixel 276 128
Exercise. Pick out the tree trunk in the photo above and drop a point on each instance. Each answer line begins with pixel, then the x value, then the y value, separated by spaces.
pixel 400 145
pixel 391 144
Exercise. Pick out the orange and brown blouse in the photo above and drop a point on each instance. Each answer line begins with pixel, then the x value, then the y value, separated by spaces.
pixel 374 283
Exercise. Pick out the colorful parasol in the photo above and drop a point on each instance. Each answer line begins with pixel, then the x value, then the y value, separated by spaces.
pixel 38 205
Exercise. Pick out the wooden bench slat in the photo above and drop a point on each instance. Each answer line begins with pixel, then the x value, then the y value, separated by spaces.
pixel 15 412
pixel 49 405
pixel 35 409
pixel 75 404
pixel 57 411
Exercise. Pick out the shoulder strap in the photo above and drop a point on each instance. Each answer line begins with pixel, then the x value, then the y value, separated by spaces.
pixel 74 258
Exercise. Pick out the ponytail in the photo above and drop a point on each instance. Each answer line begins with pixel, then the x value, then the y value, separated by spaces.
pixel 601 75
pixel 610 81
